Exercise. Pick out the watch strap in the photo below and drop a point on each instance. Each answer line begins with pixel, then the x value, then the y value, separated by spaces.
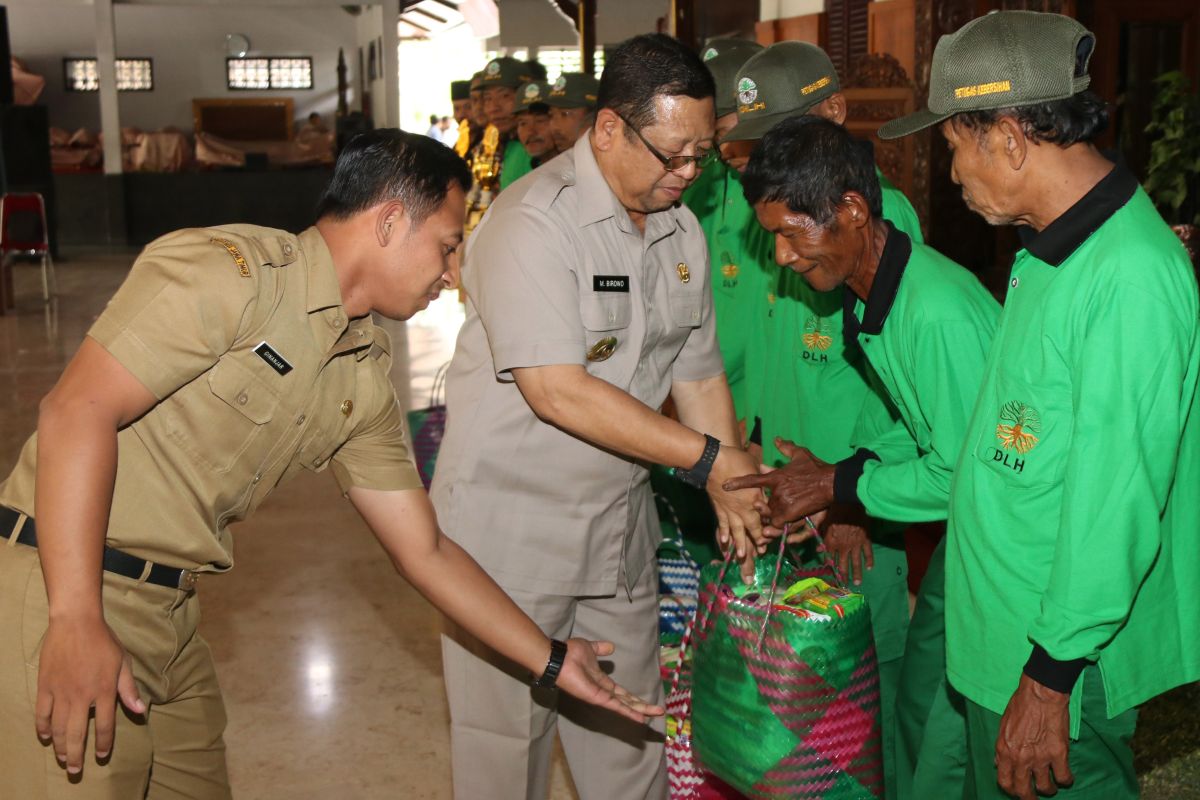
pixel 697 476
pixel 558 654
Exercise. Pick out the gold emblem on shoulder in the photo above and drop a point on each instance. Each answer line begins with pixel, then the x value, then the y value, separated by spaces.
pixel 685 274
pixel 238 258
pixel 603 349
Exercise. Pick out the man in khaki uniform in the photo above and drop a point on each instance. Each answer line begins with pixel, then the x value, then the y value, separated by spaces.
pixel 230 360
pixel 589 303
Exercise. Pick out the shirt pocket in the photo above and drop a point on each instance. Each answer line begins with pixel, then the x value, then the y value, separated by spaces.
pixel 1024 434
pixel 217 433
pixel 603 311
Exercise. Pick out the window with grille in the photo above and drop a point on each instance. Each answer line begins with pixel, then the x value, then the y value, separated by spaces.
pixel 555 61
pixel 269 73
pixel 133 74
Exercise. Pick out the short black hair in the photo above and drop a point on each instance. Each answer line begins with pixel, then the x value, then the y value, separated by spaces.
pixel 647 66
pixel 537 70
pixel 1078 118
pixel 809 163
pixel 389 164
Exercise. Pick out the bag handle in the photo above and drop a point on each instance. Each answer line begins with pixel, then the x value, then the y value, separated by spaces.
pixel 438 390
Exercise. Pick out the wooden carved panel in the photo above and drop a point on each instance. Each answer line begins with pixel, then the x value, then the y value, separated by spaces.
pixel 242 119
pixel 867 109
pixel 890 30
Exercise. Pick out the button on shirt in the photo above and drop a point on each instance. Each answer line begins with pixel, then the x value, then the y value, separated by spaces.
pixel 234 420
pixel 555 267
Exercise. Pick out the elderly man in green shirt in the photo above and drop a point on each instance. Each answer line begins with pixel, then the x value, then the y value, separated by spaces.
pixel 1075 516
pixel 924 325
pixel 801 363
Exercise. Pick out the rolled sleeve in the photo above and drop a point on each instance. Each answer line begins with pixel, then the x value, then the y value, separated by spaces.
pixel 178 311
pixel 520 275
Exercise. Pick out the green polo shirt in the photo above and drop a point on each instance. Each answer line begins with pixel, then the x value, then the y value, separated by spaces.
pixel 742 255
pixel 806 364
pixel 925 328
pixel 515 164
pixel 1075 510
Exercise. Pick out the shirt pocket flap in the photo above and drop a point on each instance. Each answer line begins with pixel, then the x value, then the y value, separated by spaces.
pixel 687 310
pixel 243 391
pixel 606 312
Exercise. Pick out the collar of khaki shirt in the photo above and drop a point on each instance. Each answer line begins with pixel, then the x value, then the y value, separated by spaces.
pixel 324 304
pixel 597 201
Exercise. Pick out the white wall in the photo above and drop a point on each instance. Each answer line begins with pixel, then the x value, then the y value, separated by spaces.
pixel 187 44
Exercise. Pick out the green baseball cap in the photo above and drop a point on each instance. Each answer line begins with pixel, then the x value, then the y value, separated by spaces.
pixel 477 82
pixel 724 57
pixel 505 71
pixel 532 94
pixel 786 80
pixel 574 90
pixel 1001 60
pixel 460 90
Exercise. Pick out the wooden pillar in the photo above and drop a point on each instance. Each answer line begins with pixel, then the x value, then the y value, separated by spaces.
pixel 586 22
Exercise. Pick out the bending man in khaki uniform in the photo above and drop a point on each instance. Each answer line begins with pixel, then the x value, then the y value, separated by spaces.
pixel 589 304
pixel 230 360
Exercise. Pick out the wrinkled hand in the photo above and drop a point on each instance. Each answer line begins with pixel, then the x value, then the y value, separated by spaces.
pixel 802 487
pixel 1031 750
pixel 82 666
pixel 847 543
pixel 739 523
pixel 582 677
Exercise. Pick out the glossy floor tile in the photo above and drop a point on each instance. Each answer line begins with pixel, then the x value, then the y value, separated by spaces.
pixel 328 660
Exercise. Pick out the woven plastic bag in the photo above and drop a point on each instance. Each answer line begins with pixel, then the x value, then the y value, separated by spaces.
pixel 784 705
pixel 427 425
pixel 678 580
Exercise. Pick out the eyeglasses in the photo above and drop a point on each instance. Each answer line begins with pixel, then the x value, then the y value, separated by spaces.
pixel 674 163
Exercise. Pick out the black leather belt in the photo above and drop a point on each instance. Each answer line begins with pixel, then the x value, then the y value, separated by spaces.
pixel 114 561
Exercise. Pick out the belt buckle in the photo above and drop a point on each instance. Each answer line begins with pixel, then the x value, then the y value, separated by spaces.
pixel 187 580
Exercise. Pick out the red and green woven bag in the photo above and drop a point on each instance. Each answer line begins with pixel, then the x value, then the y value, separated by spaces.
pixel 783 704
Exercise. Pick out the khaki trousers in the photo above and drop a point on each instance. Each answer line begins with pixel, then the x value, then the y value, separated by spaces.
pixel 502 730
pixel 175 751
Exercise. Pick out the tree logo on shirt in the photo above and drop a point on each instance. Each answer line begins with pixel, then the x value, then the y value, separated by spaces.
pixel 817 333
pixel 1018 427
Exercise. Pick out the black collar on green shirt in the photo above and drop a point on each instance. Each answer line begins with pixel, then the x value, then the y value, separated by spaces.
pixel 892 261
pixel 1055 243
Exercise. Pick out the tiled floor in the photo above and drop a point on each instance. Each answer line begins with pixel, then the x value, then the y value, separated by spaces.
pixel 329 662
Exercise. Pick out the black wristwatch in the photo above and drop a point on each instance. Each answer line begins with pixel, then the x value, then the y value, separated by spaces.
pixel 697 476
pixel 558 654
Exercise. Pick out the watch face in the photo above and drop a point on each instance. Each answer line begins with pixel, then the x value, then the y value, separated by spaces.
pixel 236 45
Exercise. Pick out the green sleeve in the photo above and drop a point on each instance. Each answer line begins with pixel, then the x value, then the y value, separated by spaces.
pixel 880 427
pixel 951 356
pixel 1129 415
pixel 516 164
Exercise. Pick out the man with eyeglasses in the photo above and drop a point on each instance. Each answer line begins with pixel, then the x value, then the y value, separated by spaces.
pixel 589 303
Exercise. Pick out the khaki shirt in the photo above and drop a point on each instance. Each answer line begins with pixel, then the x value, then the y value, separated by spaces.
pixel 230 426
pixel 556 266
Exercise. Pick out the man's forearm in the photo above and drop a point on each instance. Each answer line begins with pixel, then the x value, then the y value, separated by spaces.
pixel 707 406
pixel 76 470
pixel 600 413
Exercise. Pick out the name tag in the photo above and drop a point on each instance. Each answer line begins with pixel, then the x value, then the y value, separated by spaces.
pixel 269 355
pixel 610 283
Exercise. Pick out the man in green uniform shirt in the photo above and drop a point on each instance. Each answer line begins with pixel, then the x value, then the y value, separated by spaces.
pixel 533 123
pixel 1074 519
pixel 802 363
pixel 739 250
pixel 501 78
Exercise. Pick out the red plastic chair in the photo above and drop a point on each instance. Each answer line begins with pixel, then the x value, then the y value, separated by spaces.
pixel 29 237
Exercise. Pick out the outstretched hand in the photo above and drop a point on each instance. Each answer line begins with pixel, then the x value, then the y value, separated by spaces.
pixel 582 677
pixel 801 487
